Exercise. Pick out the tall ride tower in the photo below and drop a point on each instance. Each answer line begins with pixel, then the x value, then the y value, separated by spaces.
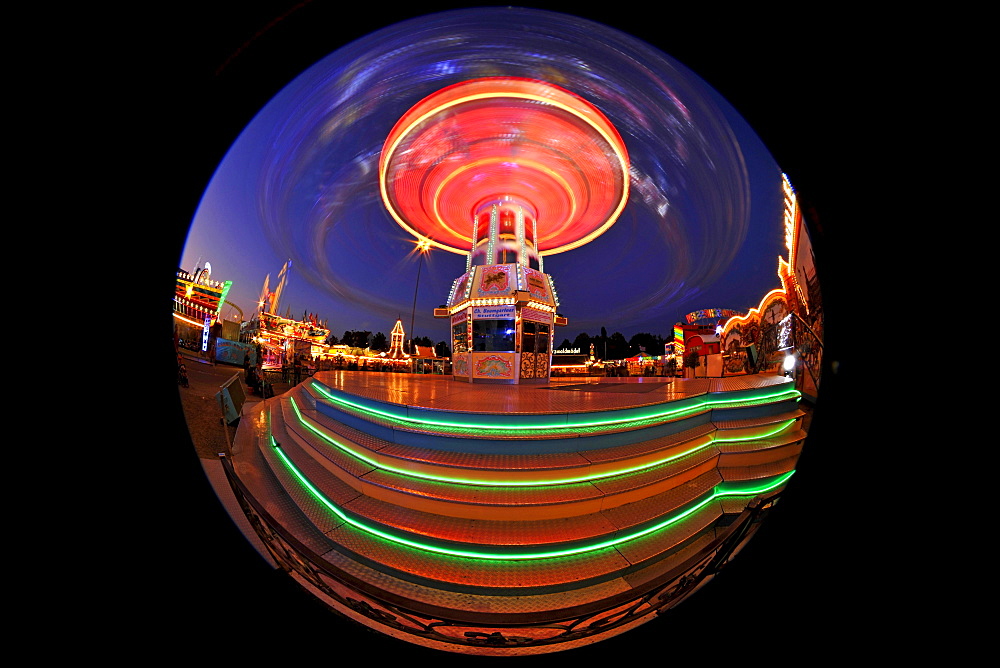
pixel 504 171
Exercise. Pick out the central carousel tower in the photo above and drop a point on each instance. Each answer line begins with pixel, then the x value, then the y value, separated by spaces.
pixel 504 171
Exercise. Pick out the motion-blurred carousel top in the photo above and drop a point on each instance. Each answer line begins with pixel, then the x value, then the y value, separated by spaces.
pixel 504 170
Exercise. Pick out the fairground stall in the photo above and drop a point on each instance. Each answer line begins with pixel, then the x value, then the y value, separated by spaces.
pixel 784 333
pixel 280 339
pixel 426 360
pixel 575 362
pixel 198 322
pixel 696 341
pixel 645 365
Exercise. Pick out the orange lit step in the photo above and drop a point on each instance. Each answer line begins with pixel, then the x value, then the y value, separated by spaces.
pixel 488 525
pixel 496 502
pixel 331 436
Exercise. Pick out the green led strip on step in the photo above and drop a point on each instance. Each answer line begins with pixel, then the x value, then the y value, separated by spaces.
pixel 732 489
pixel 354 452
pixel 663 415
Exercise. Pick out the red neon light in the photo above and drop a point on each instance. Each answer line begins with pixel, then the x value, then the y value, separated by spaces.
pixel 520 141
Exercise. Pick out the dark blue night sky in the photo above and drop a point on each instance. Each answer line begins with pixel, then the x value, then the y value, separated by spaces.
pixel 702 227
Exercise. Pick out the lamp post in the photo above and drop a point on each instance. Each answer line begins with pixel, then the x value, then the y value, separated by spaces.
pixel 423 247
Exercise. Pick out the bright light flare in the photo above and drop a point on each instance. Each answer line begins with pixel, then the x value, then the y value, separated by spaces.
pixel 789 363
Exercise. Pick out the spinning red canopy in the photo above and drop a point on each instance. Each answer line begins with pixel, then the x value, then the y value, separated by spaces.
pixel 517 142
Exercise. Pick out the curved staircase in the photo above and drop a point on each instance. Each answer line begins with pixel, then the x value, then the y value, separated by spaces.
pixel 512 520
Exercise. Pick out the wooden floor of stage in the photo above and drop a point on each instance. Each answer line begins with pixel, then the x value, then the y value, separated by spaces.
pixel 579 394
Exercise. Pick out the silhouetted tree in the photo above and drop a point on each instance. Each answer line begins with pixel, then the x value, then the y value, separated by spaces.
pixel 601 344
pixel 617 347
pixel 652 343
pixel 379 342
pixel 357 339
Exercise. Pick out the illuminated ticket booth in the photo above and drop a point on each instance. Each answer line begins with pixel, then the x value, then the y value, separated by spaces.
pixel 500 332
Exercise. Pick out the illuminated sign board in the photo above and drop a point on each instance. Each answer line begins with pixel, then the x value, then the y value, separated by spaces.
pixel 503 312
pixel 535 315
pixel 711 313
pixel 204 334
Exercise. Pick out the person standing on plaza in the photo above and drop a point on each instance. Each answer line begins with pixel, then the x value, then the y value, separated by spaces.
pixel 213 336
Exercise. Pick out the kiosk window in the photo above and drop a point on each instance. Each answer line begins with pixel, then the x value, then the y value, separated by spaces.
pixel 542 344
pixel 459 337
pixel 527 336
pixel 534 337
pixel 493 335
